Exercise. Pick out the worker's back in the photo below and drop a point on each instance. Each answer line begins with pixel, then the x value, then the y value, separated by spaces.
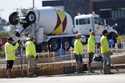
pixel 30 49
pixel 104 44
pixel 78 46
pixel 10 51
pixel 91 44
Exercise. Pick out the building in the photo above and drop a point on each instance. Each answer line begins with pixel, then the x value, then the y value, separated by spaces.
pixel 71 6
pixel 111 10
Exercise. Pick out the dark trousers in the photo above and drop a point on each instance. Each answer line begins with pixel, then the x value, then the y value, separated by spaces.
pixel 79 63
pixel 90 61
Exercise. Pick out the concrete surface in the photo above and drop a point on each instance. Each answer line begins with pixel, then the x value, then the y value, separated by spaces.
pixel 54 66
pixel 114 78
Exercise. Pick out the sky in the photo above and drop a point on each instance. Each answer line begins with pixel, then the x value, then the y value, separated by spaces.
pixel 8 6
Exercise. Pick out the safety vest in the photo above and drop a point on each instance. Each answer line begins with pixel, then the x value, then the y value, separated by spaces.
pixel 104 44
pixel 10 51
pixel 119 39
pixel 30 49
pixel 91 44
pixel 78 47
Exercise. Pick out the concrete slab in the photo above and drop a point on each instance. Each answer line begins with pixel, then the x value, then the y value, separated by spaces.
pixel 116 78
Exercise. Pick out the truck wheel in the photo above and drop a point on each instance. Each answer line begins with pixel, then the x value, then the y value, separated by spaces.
pixel 66 44
pixel 54 44
pixel 31 17
pixel 13 18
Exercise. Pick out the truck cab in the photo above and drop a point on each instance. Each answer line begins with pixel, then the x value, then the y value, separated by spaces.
pixel 86 23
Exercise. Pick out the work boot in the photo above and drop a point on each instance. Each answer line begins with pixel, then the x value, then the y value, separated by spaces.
pixel 90 70
pixel 107 70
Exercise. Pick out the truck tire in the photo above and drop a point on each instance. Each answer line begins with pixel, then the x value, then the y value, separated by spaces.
pixel 31 17
pixel 13 18
pixel 54 44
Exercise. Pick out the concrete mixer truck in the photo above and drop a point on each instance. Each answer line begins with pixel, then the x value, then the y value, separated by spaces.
pixel 53 27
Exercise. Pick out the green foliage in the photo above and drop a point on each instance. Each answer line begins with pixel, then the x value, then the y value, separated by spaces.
pixel 123 37
pixel 1 52
pixel 4 34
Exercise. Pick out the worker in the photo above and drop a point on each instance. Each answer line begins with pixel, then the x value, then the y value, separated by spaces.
pixel 78 52
pixel 10 50
pixel 91 49
pixel 30 51
pixel 105 51
pixel 119 41
pixel 111 43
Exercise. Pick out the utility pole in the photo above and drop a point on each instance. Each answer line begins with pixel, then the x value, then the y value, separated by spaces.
pixel 33 4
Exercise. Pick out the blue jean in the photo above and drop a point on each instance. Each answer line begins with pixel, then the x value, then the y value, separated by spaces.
pixel 106 63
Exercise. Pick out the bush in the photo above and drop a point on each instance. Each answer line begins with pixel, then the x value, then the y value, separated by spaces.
pixel 1 52
pixel 4 34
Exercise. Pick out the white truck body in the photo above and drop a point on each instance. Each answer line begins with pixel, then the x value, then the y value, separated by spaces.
pixel 54 21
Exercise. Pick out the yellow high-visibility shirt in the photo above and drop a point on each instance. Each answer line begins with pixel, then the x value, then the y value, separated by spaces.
pixel 104 44
pixel 30 49
pixel 78 47
pixel 91 44
pixel 10 51
pixel 119 39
